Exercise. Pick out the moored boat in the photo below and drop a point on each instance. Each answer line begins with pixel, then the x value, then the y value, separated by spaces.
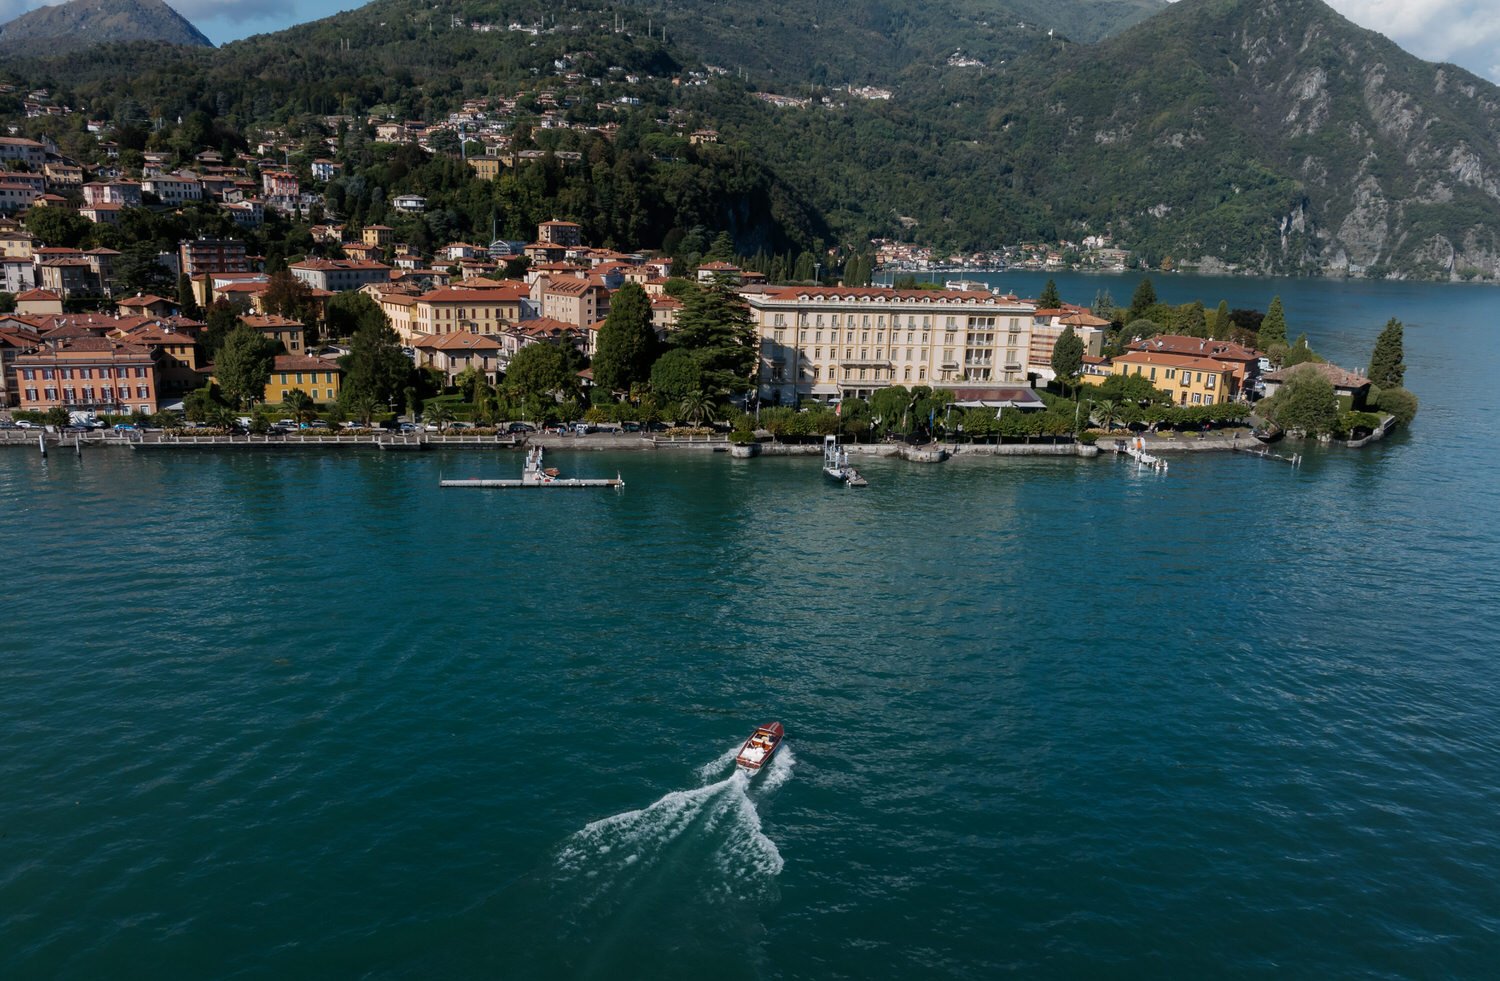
pixel 760 747
pixel 836 464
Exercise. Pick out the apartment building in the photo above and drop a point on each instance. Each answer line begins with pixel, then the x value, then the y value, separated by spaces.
pixel 835 342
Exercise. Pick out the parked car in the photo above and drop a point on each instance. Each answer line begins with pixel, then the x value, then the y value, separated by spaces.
pixel 520 427
pixel 407 427
pixel 125 427
pixel 630 427
pixel 28 424
pixel 315 424
pixel 7 424
pixel 286 424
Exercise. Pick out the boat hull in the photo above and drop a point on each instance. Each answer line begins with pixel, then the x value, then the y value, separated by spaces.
pixel 760 748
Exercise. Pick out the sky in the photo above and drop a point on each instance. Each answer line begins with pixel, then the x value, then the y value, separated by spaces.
pixel 1465 32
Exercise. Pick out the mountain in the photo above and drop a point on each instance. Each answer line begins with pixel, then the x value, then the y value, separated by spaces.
pixel 1270 134
pixel 82 23
pixel 1258 135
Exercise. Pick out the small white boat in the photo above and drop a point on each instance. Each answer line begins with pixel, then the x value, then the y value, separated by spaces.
pixel 760 747
pixel 836 464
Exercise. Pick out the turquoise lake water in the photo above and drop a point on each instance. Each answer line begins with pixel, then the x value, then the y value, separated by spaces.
pixel 309 716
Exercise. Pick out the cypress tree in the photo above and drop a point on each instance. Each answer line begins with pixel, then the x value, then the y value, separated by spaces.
pixel 1273 326
pixel 1222 325
pixel 627 341
pixel 1386 369
pixel 1067 356
pixel 1050 298
pixel 1143 300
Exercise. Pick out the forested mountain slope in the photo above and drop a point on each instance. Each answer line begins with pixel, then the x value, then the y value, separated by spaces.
pixel 1271 135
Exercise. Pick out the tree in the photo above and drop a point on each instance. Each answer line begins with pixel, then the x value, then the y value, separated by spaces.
pixel 374 366
pixel 1386 367
pixel 287 296
pixel 7 302
pixel 1195 322
pixel 136 270
pixel 1143 299
pixel 1067 356
pixel 627 346
pixel 539 371
pixel 187 301
pixel 1050 298
pixel 722 249
pixel 1221 326
pixel 439 415
pixel 1399 403
pixel 1104 305
pixel 58 227
pixel 1273 326
pixel 243 366
pixel 299 404
pixel 222 320
pixel 1305 401
pixel 714 326
pixel 696 407
pixel 674 375
pixel 1106 411
pixel 348 312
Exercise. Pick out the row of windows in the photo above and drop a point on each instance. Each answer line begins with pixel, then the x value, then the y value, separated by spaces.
pixel 105 394
pixel 82 374
pixel 879 320
pixel 312 377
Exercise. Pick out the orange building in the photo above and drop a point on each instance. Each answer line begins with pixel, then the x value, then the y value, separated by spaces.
pixel 96 374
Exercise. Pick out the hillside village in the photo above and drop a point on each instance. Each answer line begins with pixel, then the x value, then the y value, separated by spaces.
pixel 102 331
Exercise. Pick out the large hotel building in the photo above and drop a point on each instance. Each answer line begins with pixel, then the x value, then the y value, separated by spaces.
pixel 826 342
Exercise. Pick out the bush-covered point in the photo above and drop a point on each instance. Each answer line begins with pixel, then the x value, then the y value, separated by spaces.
pixel 1398 402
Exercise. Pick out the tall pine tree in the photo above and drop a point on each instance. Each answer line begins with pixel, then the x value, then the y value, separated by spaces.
pixel 1050 298
pixel 1273 326
pixel 1386 367
pixel 1143 300
pixel 627 342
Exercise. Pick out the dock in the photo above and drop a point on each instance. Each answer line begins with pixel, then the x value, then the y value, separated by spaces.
pixel 534 475
pixel 533 484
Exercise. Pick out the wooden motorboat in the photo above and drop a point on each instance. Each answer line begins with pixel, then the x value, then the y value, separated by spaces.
pixel 760 747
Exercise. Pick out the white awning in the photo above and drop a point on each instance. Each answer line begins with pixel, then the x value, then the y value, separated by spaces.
pixel 825 389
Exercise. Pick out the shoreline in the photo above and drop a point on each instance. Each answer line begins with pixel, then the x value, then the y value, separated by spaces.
pixel 608 442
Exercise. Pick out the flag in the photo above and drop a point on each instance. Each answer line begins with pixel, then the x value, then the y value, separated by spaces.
pixel 838 410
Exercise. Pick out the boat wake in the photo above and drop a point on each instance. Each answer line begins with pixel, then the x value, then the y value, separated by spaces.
pixel 708 839
pixel 665 889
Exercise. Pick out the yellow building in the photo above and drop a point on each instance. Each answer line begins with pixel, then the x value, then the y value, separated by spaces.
pixel 1188 379
pixel 315 376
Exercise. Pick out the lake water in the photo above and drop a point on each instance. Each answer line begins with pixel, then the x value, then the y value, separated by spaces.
pixel 309 716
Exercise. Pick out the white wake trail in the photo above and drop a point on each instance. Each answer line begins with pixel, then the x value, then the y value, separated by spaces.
pixel 709 838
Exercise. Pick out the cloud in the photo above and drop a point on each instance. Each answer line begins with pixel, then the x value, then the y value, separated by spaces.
pixel 1465 32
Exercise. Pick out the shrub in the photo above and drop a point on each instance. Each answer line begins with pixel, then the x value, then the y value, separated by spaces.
pixel 1398 402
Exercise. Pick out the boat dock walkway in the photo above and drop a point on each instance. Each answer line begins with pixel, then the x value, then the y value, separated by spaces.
pixel 529 484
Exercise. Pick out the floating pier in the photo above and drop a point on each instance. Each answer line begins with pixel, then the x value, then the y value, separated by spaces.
pixel 534 475
pixel 1136 448
pixel 534 484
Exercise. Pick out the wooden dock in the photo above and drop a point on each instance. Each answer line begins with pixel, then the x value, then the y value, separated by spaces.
pixel 483 483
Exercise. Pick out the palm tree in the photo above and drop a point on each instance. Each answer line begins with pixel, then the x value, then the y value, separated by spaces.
pixel 438 412
pixel 1106 411
pixel 299 404
pixel 697 407
pixel 363 407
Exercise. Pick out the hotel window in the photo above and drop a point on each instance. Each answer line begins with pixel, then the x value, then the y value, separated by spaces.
pixel 861 374
pixel 778 336
pixel 802 336
pixel 1171 373
pixel 908 351
pixel 51 395
pixel 906 374
pixel 30 374
pixel 926 322
pixel 864 354
pixel 47 373
pixel 1208 400
pixel 1208 382
pixel 818 335
pixel 818 353
pixel 864 337
pixel 848 354
pixel 31 395
pixel 922 373
pixel 142 392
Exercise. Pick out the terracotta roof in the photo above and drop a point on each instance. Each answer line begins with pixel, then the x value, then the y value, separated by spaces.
pixel 1167 360
pixel 454 294
pixel 147 300
pixel 1338 377
pixel 38 294
pixel 301 362
pixel 545 326
pixel 1181 344
pixel 266 321
pixel 458 341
